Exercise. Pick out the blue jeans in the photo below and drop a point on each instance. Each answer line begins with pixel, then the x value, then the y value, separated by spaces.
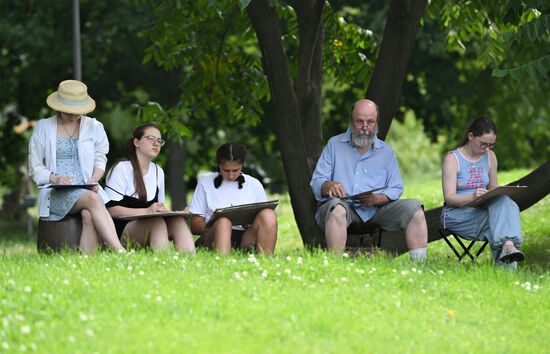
pixel 495 221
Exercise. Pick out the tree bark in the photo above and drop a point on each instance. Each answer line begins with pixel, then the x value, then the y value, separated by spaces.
pixel 176 167
pixel 310 74
pixel 288 118
pixel 395 51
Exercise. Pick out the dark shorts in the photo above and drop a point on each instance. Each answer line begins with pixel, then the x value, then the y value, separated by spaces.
pixel 393 216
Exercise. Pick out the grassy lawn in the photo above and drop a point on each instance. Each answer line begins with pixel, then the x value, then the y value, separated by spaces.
pixel 296 301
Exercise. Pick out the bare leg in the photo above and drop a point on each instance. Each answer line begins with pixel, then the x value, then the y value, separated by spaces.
pixel 179 232
pixel 416 232
pixel 103 223
pixel 336 229
pixel 262 232
pixel 151 231
pixel 88 239
pixel 219 236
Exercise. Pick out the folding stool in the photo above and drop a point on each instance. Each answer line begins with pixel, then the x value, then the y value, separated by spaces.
pixel 446 234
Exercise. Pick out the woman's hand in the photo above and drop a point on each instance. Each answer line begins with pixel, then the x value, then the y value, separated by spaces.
pixel 61 179
pixel 479 192
pixel 156 208
pixel 93 181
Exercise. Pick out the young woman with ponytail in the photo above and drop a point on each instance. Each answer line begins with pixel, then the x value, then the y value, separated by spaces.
pixel 135 186
pixel 229 186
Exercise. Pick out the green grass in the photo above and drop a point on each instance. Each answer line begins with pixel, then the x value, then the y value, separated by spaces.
pixel 296 301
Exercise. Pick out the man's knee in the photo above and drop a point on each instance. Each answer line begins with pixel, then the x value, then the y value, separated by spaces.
pixel 338 214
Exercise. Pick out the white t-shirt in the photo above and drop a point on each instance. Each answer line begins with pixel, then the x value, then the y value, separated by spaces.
pixel 208 198
pixel 121 179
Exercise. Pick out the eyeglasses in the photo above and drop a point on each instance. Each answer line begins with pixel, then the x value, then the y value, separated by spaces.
pixel 360 123
pixel 153 139
pixel 484 145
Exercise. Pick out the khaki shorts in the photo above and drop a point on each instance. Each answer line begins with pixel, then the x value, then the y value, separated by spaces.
pixel 393 216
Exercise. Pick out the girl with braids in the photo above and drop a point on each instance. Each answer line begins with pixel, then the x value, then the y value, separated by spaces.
pixel 229 186
pixel 135 186
pixel 470 171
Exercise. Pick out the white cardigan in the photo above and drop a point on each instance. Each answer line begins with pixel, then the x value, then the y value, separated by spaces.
pixel 93 147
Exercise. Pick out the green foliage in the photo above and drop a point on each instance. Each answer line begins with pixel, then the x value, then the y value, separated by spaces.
pixel 418 156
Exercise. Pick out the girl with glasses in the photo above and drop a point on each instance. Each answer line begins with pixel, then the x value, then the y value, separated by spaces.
pixel 135 186
pixel 469 171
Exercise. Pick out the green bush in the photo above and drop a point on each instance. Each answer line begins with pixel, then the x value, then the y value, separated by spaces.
pixel 417 155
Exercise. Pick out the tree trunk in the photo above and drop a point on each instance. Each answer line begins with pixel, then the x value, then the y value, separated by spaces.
pixel 310 74
pixel 288 119
pixel 395 51
pixel 176 167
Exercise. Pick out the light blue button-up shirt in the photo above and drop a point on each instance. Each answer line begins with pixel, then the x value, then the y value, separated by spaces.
pixel 341 161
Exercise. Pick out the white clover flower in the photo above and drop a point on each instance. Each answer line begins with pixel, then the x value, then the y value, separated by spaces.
pixel 264 274
pixel 108 269
pixel 26 329
pixel 398 304
pixel 277 265
pixel 278 274
pixel 5 345
pixel 90 332
pixel 345 255
pixel 244 273
pixel 321 280
pixel 175 257
pixel 440 272
pixel 237 275
pixel 141 272
pixel 233 261
pixel 130 268
pixel 360 271
pixel 295 277
pixel 325 262
pixel 299 260
pixel 287 271
pixel 394 270
pixel 158 298
pixel 27 289
pixel 71 339
pixel 413 270
pixel 288 258
pixel 404 272
pixel 344 279
pixel 155 259
pixel 66 282
pixel 217 258
pixel 83 316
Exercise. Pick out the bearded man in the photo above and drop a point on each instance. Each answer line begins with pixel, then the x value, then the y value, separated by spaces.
pixel 357 161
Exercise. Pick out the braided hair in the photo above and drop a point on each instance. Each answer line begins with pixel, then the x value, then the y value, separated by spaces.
pixel 230 152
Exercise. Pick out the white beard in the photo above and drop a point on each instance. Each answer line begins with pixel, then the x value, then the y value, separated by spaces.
pixel 363 140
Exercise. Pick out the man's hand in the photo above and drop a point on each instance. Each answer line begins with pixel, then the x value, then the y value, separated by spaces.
pixel 333 189
pixel 373 199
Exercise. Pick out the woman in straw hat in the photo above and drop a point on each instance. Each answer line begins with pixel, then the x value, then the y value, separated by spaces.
pixel 135 186
pixel 71 148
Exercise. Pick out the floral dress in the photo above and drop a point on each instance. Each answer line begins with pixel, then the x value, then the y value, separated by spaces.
pixel 67 164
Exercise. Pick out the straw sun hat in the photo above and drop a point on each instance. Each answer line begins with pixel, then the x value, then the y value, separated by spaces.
pixel 71 97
